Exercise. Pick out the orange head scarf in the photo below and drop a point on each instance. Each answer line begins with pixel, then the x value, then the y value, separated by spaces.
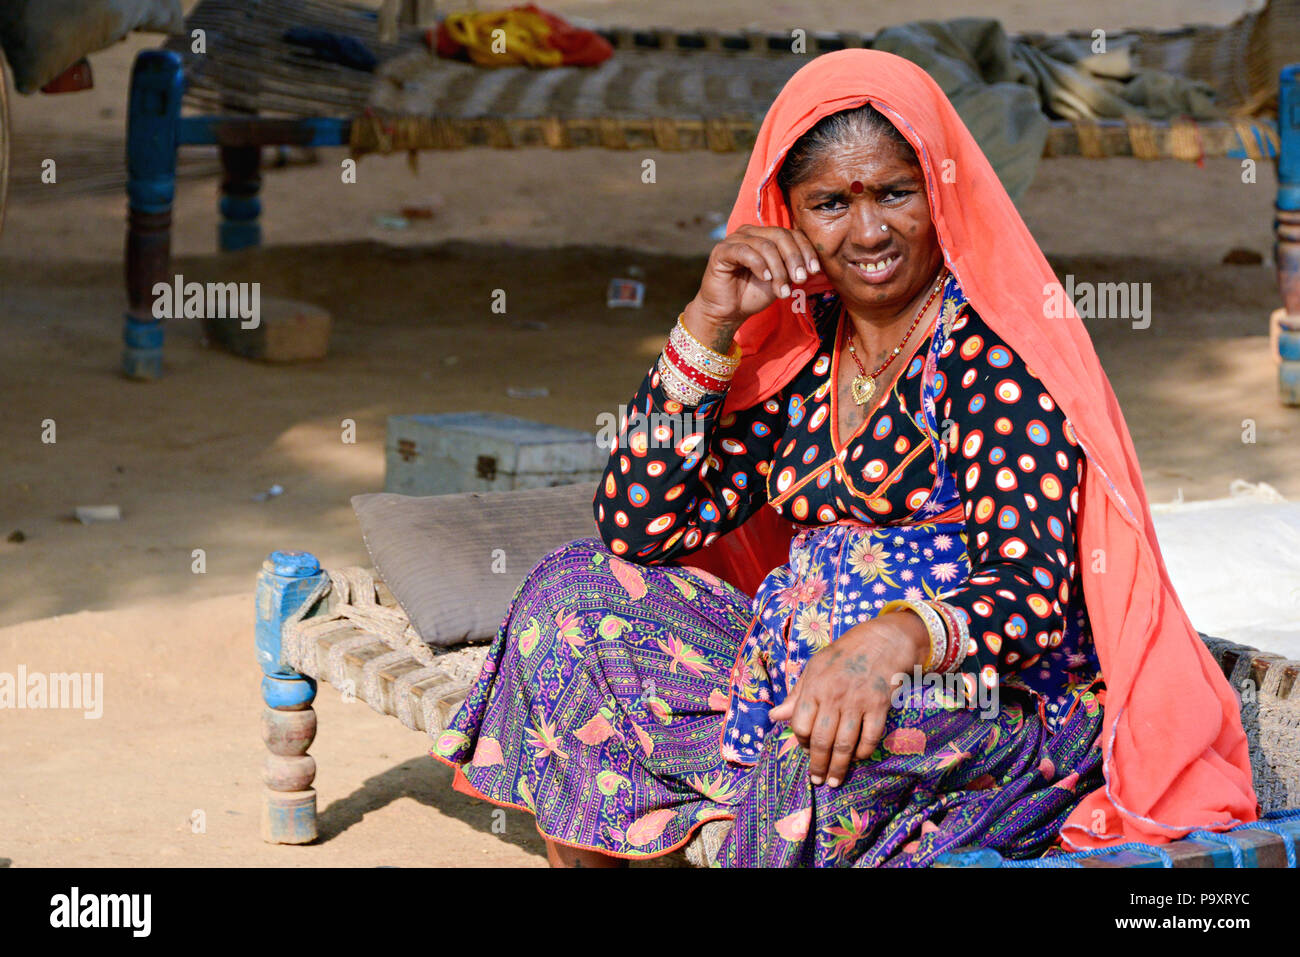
pixel 1176 756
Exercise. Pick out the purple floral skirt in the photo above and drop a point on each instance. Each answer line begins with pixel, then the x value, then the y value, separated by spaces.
pixel 600 710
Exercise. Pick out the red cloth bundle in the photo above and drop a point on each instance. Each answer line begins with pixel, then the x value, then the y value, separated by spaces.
pixel 467 36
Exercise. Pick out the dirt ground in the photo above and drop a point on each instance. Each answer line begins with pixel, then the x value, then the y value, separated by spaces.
pixel 414 332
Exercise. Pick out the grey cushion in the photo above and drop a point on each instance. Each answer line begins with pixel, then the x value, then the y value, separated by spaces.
pixel 438 553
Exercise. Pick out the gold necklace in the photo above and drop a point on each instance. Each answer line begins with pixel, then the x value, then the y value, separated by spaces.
pixel 864 384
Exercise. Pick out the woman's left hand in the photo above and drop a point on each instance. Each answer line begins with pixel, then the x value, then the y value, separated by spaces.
pixel 838 707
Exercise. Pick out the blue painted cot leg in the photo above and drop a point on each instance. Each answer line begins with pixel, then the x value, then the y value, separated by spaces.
pixel 286 580
pixel 153 115
pixel 969 857
pixel 1286 322
pixel 240 205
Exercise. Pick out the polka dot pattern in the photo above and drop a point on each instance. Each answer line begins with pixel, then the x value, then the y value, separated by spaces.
pixel 1011 456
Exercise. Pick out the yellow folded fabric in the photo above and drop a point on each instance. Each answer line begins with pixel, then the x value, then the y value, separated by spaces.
pixel 523 38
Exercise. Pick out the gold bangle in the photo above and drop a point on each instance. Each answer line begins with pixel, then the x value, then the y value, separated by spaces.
pixel 708 360
pixel 735 347
pixel 934 626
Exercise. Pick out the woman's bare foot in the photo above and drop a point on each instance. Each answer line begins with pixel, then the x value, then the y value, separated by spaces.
pixel 561 855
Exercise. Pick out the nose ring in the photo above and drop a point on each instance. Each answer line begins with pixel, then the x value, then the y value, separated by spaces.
pixel 884 228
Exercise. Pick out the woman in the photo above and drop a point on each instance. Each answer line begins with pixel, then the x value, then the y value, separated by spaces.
pixel 866 420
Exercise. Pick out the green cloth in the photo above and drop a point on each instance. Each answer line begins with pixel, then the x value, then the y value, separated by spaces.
pixel 1006 91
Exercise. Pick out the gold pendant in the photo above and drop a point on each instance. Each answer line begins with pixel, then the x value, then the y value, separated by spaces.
pixel 862 388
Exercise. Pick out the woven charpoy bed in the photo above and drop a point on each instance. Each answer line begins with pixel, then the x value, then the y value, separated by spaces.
pixel 344 627
pixel 409 636
pixel 662 89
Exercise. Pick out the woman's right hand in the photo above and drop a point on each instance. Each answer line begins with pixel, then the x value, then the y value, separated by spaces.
pixel 748 271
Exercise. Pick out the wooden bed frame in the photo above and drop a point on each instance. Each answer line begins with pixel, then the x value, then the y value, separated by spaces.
pixel 345 628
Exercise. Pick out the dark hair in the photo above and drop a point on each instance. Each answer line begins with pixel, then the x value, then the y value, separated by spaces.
pixel 837 131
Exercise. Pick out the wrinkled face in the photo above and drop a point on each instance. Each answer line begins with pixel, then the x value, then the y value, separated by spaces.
pixel 841 207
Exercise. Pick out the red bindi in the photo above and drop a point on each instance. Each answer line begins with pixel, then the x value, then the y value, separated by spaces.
pixel 855 186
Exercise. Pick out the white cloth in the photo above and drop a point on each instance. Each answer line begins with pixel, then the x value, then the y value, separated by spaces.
pixel 1235 564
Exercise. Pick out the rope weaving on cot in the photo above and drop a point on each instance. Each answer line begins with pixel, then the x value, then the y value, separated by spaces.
pixel 1271 717
pixel 352 611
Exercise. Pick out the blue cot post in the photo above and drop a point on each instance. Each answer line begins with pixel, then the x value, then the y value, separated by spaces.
pixel 153 114
pixel 240 206
pixel 1286 321
pixel 287 579
pixel 969 857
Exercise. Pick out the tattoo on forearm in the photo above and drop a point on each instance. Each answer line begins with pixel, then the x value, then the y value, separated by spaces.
pixel 722 342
